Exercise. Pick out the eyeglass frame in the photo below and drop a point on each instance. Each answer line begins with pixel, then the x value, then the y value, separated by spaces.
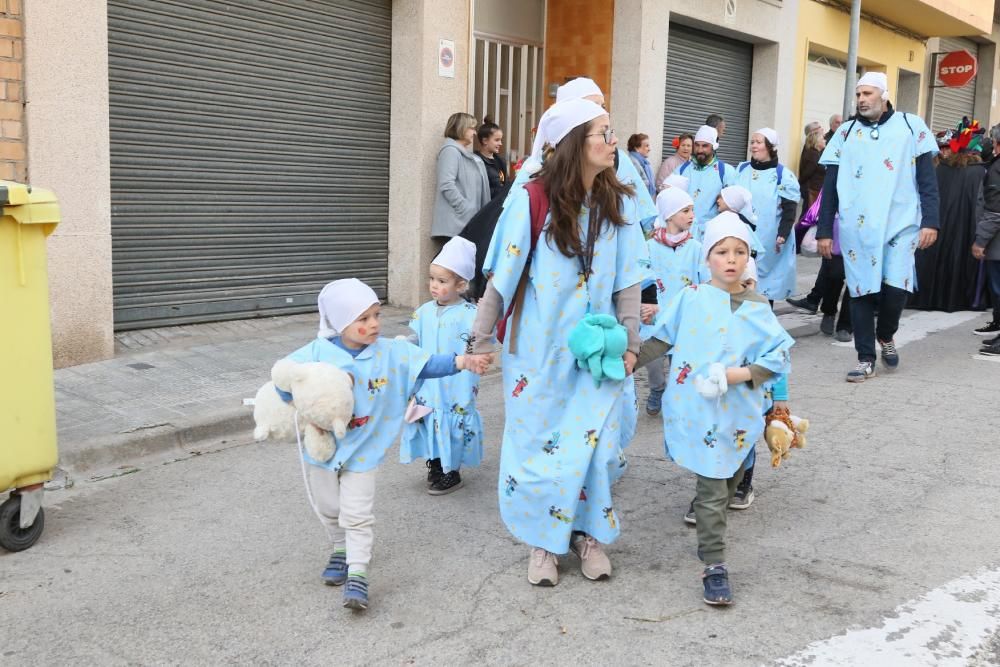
pixel 608 134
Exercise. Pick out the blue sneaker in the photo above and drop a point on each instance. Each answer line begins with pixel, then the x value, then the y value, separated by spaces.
pixel 716 582
pixel 890 357
pixel 356 592
pixel 655 402
pixel 335 573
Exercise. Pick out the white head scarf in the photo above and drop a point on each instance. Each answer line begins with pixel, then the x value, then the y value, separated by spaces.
pixel 737 198
pixel 721 227
pixel 875 80
pixel 577 89
pixel 669 202
pixel 675 180
pixel 750 273
pixel 769 134
pixel 340 303
pixel 563 117
pixel 709 135
pixel 458 256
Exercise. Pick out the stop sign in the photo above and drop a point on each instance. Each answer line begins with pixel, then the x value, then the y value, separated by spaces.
pixel 957 68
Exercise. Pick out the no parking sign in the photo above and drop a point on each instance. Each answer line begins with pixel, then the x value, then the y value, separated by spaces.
pixel 446 58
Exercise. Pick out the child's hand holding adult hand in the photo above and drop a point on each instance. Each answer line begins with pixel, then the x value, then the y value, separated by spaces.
pixel 474 363
pixel 647 312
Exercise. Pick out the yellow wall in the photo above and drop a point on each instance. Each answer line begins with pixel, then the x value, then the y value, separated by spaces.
pixel 825 30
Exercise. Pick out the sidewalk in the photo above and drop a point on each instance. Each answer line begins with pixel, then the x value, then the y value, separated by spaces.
pixel 172 387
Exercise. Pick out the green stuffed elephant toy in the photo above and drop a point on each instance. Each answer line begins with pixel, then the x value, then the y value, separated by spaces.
pixel 599 342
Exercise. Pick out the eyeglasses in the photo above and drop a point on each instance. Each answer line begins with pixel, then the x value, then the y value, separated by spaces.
pixel 608 135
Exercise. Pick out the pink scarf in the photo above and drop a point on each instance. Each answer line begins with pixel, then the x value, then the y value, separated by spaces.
pixel 670 240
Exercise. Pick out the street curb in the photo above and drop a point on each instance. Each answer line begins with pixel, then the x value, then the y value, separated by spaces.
pixel 120 448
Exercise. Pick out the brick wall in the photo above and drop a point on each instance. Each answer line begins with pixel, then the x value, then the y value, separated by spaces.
pixel 578 39
pixel 13 166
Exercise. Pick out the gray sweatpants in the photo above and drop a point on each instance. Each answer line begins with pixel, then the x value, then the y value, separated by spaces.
pixel 344 503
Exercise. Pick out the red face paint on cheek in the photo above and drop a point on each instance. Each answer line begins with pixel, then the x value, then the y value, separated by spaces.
pixel 362 331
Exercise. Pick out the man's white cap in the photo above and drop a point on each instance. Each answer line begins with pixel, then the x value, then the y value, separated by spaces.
pixel 736 197
pixel 340 303
pixel 577 89
pixel 669 202
pixel 721 227
pixel 707 134
pixel 875 80
pixel 769 134
pixel 458 256
pixel 750 273
pixel 675 180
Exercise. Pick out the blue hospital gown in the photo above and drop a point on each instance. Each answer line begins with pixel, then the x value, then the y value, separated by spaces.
pixel 673 270
pixel 563 438
pixel 704 187
pixel 775 271
pixel 712 437
pixel 879 203
pixel 454 431
pixel 385 375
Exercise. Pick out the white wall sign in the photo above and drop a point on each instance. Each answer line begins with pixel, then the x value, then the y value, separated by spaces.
pixel 446 58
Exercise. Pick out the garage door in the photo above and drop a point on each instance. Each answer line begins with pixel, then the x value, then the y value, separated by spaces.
pixel 948 105
pixel 249 160
pixel 707 74
pixel 825 78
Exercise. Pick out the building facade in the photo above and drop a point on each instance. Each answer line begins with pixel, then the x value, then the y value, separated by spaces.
pixel 223 160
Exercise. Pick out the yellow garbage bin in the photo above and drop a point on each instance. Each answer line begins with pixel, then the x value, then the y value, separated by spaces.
pixel 28 450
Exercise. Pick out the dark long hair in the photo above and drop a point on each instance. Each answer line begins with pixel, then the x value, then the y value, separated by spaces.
pixel 562 175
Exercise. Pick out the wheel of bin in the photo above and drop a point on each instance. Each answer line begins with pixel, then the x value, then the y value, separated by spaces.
pixel 12 536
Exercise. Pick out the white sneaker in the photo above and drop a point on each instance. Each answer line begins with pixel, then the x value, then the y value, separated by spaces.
pixel 543 568
pixel 594 563
pixel 863 371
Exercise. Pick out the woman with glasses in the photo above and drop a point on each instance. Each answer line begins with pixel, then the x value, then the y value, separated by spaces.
pixel 563 433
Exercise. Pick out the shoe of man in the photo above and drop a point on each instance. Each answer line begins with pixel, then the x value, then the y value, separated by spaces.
pixel 594 563
pixel 543 568
pixel 990 329
pixel 890 357
pixel 991 350
pixel 843 336
pixel 864 370
pixel 356 592
pixel 689 516
pixel 715 579
pixel 990 341
pixel 826 326
pixel 434 472
pixel 655 402
pixel 742 498
pixel 450 481
pixel 804 304
pixel 335 573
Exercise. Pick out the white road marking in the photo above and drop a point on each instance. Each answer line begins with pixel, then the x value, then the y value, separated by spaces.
pixel 942 628
pixel 923 323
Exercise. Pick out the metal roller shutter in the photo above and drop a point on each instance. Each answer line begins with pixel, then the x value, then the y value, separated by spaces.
pixel 249 154
pixel 948 105
pixel 708 74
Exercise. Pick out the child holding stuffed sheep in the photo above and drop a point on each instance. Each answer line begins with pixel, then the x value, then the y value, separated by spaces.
pixel 725 345
pixel 446 428
pixel 385 373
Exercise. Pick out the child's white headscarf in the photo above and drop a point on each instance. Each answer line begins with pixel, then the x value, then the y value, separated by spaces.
pixel 721 227
pixel 340 303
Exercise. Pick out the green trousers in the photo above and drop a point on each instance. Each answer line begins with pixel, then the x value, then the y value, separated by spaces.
pixel 711 503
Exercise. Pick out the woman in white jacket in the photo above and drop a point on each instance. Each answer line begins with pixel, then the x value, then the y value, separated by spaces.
pixel 462 184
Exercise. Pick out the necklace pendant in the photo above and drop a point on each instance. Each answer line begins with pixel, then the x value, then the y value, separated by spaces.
pixel 874 133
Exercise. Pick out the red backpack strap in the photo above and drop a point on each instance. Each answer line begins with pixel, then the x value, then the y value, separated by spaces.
pixel 538 206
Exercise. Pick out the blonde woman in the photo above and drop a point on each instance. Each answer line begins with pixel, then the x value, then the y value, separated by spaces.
pixel 462 184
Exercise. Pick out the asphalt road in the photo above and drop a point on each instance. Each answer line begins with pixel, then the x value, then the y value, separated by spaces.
pixel 216 558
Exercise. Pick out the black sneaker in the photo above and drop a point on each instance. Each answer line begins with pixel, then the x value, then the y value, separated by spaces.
pixel 804 304
pixel 890 356
pixel 434 472
pixel 450 481
pixel 988 330
pixel 991 350
pixel 742 498
pixel 826 326
pixel 715 579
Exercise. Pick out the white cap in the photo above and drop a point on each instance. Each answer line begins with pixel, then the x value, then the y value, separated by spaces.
pixel 669 202
pixel 875 80
pixel 563 117
pixel 750 273
pixel 769 134
pixel 576 89
pixel 707 134
pixel 458 256
pixel 736 197
pixel 675 180
pixel 341 302
pixel 721 227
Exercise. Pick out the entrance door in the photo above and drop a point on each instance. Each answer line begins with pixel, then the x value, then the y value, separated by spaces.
pixel 825 78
